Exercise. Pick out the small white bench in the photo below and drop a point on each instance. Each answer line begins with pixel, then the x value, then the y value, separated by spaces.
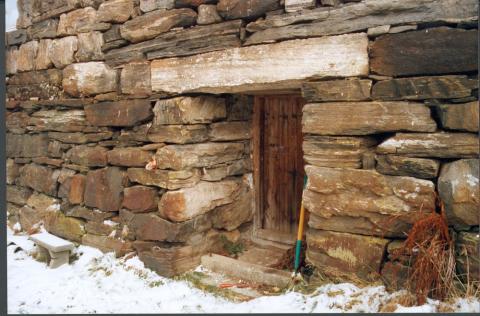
pixel 53 249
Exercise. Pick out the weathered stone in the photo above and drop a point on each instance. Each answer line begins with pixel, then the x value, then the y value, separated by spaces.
pixel 117 11
pixel 366 202
pixel 179 157
pixel 80 138
pixel 16 122
pixel 336 152
pixel 407 166
pixel 236 69
pixel 108 244
pixel 118 113
pixel 151 24
pixel 29 217
pixel 234 168
pixel 129 157
pixel 26 56
pixel 152 227
pixel 140 199
pixel 437 145
pixel 66 227
pixel 189 110
pixel 84 79
pixel 173 260
pixel 43 61
pixel 56 149
pixel 463 117
pixel 62 51
pixel 337 90
pixel 101 228
pixel 178 134
pixel 346 256
pixel 378 30
pixel 43 203
pixel 225 131
pixel 35 85
pixel 208 14
pixel 77 189
pixel 167 179
pixel 137 133
pixel 135 79
pixel 192 3
pixel 104 188
pixel 298 5
pixel 53 120
pixel 47 161
pixel 363 118
pixel 232 215
pixel 12 171
pixel 432 51
pixel 80 21
pixel 420 88
pixel 40 178
pixel 88 214
pixel 89 47
pixel 18 195
pixel 358 17
pixel 44 29
pixel 15 37
pixel 150 5
pixel 11 57
pixel 468 254
pixel 395 275
pixel 88 156
pixel 331 3
pixel 237 9
pixel 187 203
pixel 458 187
pixel 113 34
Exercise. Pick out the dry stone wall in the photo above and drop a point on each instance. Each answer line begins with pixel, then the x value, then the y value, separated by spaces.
pixel 129 125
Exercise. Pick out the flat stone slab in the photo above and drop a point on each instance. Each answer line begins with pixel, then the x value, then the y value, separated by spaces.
pixel 52 242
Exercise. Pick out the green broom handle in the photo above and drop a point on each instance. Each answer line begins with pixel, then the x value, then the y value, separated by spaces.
pixel 298 246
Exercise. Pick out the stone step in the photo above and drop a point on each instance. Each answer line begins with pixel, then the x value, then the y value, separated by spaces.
pixel 270 257
pixel 246 271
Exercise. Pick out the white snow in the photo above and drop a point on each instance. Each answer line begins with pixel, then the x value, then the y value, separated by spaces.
pixel 100 283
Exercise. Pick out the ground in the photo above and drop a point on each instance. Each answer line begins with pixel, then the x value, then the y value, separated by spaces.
pixel 100 283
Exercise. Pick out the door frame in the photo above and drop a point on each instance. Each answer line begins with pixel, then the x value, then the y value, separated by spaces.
pixel 260 234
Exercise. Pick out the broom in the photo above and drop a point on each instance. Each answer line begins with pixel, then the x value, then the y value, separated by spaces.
pixel 298 245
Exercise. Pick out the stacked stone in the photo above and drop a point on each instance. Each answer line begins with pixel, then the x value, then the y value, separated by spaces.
pixel 97 90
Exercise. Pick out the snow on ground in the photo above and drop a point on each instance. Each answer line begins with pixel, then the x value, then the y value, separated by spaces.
pixel 100 283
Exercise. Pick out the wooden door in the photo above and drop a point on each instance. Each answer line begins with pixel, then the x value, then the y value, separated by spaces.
pixel 278 166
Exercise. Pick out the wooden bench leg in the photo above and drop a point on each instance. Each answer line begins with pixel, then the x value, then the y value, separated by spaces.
pixel 58 258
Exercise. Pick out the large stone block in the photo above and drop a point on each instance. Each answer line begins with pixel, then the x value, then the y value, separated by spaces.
pixel 66 227
pixel 54 120
pixel 407 166
pixel 167 179
pixel 184 204
pixel 149 226
pixel 104 188
pixel 11 57
pixel 77 189
pixel 342 256
pixel 459 189
pixel 17 195
pixel 232 168
pixel 43 60
pixel 336 152
pixel 363 118
pixel 240 211
pixel 189 110
pixel 44 29
pixel 80 21
pixel 89 47
pixel 366 202
pixel 88 214
pixel 432 51
pixel 108 244
pixel 129 157
pixel 237 69
pixel 154 23
pixel 468 254
pixel 62 51
pixel 34 85
pixel 437 145
pixel 16 37
pixel 227 131
pixel 464 117
pixel 16 122
pixel 43 203
pixel 237 9
pixel 117 11
pixel 337 90
pixel 135 79
pixel 85 79
pixel 29 217
pixel 178 134
pixel 12 171
pixel 208 14
pixel 118 113
pixel 420 88
pixel 180 157
pixel 79 137
pixel 40 178
pixel 88 156
pixel 27 145
pixel 140 199
pixel 26 56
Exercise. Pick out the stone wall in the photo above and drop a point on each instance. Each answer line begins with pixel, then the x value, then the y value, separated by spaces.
pixel 129 122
